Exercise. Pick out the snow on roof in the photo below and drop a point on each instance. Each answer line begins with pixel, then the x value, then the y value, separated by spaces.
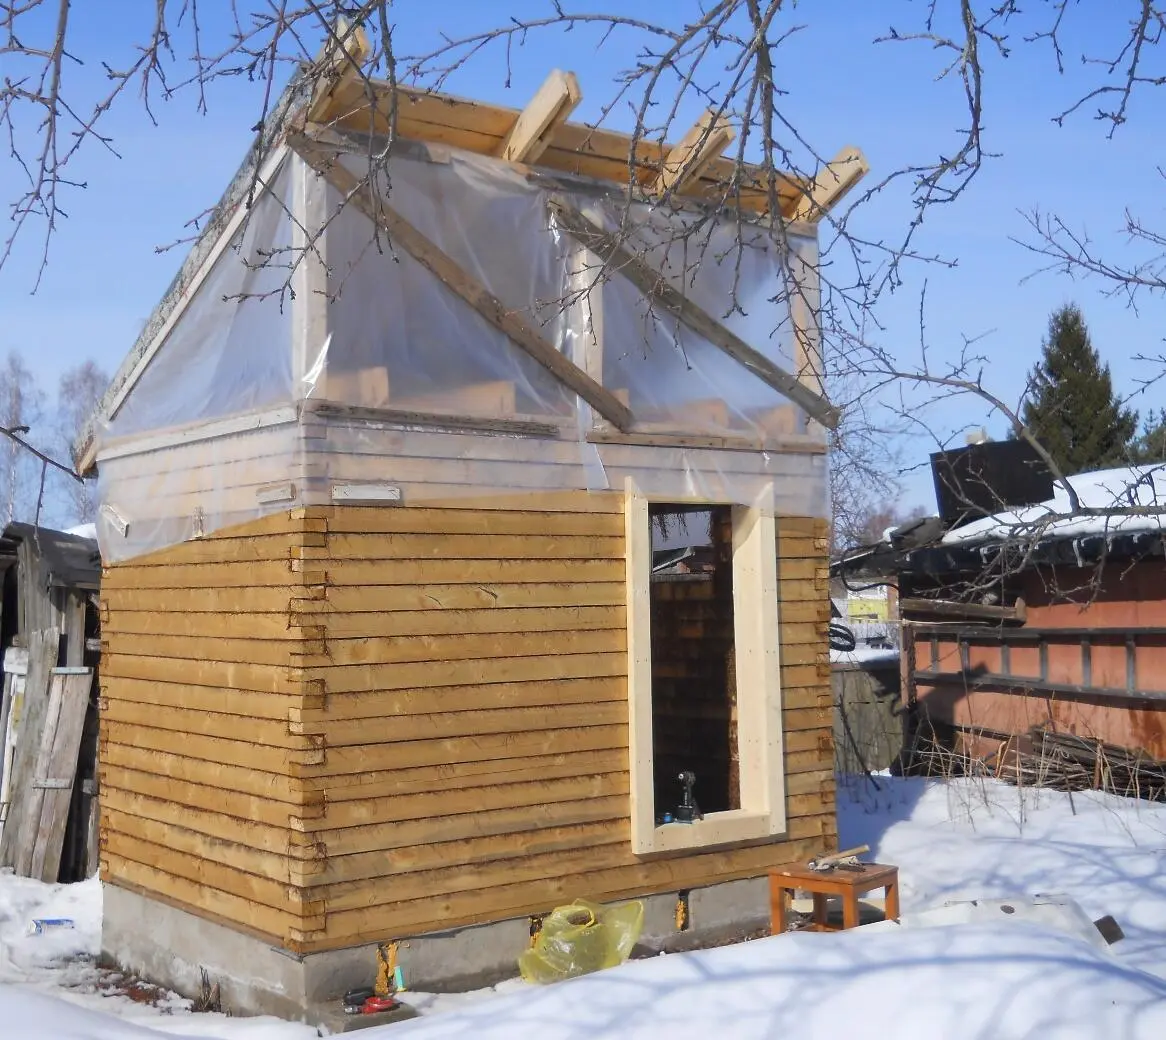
pixel 1107 489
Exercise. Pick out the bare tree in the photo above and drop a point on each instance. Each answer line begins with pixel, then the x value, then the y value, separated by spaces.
pixel 21 413
pixel 78 393
pixel 722 55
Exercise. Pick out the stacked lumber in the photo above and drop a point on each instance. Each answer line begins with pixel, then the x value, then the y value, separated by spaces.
pixel 345 723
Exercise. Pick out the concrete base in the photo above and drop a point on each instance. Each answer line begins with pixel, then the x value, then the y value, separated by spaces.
pixel 173 948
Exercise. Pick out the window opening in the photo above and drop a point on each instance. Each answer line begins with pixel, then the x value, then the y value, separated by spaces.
pixel 694 709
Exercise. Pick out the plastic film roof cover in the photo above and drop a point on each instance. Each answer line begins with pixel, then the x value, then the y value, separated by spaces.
pixel 396 338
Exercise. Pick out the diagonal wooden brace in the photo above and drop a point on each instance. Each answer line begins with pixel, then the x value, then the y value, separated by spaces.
pixel 653 285
pixel 454 277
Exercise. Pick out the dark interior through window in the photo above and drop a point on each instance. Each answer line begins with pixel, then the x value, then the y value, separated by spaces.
pixel 694 711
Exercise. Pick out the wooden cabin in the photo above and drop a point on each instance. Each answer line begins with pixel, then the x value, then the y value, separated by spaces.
pixel 384 658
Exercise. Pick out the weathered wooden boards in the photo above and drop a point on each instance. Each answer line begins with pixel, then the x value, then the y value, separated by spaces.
pixel 18 837
pixel 15 675
pixel 55 773
pixel 347 723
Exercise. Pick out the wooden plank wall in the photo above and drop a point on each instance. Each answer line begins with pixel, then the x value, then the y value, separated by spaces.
pixel 410 719
pixel 200 692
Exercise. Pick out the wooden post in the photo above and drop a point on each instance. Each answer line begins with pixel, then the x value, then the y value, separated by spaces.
pixel 804 307
pixel 74 627
pixel 309 309
pixel 586 318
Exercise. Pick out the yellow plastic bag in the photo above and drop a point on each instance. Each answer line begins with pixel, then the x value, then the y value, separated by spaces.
pixel 582 937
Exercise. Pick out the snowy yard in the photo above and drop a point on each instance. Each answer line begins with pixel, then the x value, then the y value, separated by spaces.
pixel 952 841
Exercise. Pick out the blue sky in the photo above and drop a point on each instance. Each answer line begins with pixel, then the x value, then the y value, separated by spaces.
pixel 105 275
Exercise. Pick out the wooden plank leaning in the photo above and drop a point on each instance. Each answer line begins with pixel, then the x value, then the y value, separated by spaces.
pixel 56 769
pixel 657 289
pixel 404 235
pixel 43 649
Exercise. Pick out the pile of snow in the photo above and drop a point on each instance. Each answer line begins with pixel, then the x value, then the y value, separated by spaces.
pixel 970 981
pixel 924 979
pixel 1123 488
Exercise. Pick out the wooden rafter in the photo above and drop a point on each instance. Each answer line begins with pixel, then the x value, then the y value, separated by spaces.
pixel 833 181
pixel 337 66
pixel 709 136
pixel 363 106
pixel 454 277
pixel 652 284
pixel 555 100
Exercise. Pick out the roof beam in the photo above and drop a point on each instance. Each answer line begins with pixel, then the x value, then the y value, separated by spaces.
pixel 689 158
pixel 555 100
pixel 833 181
pixel 345 50
pixel 653 285
pixel 404 235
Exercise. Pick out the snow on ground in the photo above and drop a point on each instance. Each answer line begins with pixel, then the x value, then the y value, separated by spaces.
pixel 954 840
pixel 40 973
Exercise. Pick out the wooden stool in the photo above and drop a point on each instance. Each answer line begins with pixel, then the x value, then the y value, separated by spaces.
pixel 849 884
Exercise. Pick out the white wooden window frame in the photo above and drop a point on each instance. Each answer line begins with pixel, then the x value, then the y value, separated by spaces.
pixel 760 741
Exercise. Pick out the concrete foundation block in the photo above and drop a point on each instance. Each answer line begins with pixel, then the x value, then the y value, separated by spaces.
pixel 728 905
pixel 659 915
pixel 172 948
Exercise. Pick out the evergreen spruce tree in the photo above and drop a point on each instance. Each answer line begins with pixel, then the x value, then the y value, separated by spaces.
pixel 1072 409
pixel 1150 445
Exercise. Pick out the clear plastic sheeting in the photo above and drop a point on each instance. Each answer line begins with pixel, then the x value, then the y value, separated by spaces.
pixel 230 351
pixel 580 938
pixel 390 379
pixel 671 377
pixel 398 338
pixel 160 497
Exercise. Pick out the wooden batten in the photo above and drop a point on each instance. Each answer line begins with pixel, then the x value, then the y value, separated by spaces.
pixel 556 99
pixel 832 182
pixel 681 307
pixel 689 158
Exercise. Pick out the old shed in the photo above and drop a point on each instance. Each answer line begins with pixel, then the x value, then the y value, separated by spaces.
pixel 385 655
pixel 48 705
